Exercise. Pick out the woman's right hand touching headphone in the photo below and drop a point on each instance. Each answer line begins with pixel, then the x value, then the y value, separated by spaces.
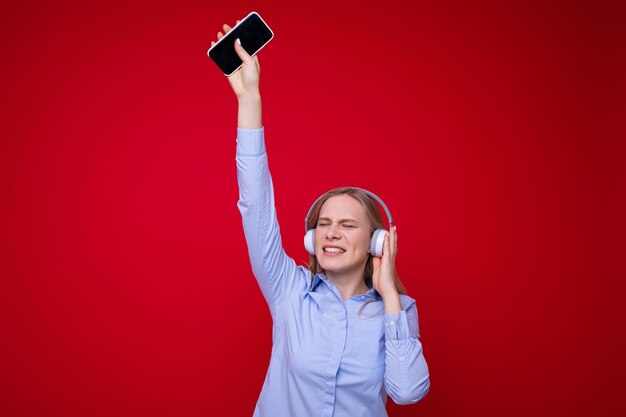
pixel 244 81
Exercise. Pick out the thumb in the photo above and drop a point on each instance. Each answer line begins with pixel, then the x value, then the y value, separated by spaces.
pixel 245 57
pixel 375 263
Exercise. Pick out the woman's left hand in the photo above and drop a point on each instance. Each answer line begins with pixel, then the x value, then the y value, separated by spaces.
pixel 384 274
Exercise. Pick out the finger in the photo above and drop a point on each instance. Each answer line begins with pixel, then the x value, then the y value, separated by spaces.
pixel 386 249
pixel 394 240
pixel 226 28
pixel 212 43
pixel 395 232
pixel 375 271
pixel 245 57
pixel 219 35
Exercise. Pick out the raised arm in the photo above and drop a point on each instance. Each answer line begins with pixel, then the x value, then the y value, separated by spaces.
pixel 245 85
pixel 277 274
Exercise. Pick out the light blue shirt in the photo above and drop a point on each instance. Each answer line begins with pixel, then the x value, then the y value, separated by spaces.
pixel 327 360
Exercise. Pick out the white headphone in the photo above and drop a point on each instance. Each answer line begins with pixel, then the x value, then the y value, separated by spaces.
pixel 378 237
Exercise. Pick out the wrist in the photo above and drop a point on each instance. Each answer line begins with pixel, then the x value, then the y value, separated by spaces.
pixel 250 111
pixel 392 303
pixel 390 292
pixel 250 97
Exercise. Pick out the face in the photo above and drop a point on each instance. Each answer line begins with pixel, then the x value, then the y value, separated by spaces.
pixel 342 235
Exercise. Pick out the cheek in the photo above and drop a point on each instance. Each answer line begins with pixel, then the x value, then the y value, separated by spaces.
pixel 318 236
pixel 362 241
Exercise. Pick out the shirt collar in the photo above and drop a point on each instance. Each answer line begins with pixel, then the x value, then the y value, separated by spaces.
pixel 316 280
pixel 370 294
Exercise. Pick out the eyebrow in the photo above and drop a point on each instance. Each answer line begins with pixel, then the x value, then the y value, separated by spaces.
pixel 340 221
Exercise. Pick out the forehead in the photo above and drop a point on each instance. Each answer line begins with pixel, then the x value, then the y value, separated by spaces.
pixel 343 206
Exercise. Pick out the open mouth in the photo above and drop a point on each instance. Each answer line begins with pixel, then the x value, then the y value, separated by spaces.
pixel 333 249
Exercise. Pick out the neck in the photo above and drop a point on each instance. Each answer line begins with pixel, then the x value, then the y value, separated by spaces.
pixel 348 285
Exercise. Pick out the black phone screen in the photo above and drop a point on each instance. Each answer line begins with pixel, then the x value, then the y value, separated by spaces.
pixel 253 33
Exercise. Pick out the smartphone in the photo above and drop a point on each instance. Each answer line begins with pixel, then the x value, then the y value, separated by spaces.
pixel 254 34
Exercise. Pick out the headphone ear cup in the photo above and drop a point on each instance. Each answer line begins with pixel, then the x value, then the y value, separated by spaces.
pixel 309 241
pixel 378 239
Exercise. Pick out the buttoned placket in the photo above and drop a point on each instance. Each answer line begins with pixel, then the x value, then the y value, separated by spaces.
pixel 337 352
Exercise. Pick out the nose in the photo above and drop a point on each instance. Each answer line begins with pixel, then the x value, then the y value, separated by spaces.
pixel 333 232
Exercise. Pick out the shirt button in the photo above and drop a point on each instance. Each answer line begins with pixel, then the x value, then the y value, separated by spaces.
pixel 401 358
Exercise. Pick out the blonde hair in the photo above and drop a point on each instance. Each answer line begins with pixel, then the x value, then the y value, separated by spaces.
pixel 376 222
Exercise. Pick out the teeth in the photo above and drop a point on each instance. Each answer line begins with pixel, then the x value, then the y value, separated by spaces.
pixel 336 250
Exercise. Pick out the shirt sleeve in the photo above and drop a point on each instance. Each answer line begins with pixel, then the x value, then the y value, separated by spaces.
pixel 277 274
pixel 406 373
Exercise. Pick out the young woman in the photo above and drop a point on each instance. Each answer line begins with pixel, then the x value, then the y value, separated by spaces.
pixel 345 334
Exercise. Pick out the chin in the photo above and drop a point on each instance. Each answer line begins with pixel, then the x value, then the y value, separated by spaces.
pixel 340 264
pixel 336 268
pixel 329 266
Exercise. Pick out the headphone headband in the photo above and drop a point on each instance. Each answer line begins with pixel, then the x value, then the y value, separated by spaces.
pixel 369 193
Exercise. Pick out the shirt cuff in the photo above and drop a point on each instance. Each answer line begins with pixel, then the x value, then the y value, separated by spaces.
pixel 250 142
pixel 396 328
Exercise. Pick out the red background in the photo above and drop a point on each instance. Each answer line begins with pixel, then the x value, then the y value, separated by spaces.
pixel 493 130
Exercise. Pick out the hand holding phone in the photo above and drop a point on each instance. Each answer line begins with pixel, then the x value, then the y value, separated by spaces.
pixel 253 33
